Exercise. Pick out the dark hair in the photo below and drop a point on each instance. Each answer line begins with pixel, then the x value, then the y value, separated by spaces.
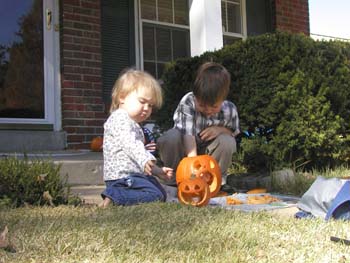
pixel 212 83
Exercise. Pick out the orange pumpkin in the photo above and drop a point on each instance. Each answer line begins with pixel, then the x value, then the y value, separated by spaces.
pixel 257 191
pixel 96 144
pixel 202 166
pixel 194 191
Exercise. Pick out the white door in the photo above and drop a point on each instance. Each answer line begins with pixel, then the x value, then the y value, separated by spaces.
pixel 29 57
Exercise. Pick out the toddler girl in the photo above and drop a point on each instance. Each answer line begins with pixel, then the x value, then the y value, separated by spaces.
pixel 128 166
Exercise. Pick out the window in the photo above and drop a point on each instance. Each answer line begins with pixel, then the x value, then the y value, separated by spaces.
pixel 164 33
pixel 233 22
pixel 28 49
pixel 21 60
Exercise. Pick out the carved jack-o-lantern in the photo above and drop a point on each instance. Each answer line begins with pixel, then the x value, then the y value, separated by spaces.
pixel 194 191
pixel 202 166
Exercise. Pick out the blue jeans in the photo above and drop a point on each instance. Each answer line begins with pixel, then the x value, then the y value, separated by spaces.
pixel 134 189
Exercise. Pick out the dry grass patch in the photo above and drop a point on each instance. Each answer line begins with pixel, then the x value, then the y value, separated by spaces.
pixel 165 232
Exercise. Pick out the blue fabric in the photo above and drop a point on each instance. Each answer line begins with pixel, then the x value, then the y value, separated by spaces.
pixel 326 198
pixel 134 189
pixel 340 208
pixel 320 196
pixel 303 214
pixel 342 212
pixel 149 138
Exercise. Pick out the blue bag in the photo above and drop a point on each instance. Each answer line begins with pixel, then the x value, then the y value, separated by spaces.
pixel 326 198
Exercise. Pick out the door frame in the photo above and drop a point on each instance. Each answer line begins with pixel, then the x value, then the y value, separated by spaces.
pixel 52 84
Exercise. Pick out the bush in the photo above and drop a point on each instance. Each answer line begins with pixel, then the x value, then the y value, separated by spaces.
pixel 256 155
pixel 298 87
pixel 24 181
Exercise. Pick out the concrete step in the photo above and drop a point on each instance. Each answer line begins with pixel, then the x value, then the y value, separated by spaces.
pixel 82 167
pixel 89 194
pixel 84 170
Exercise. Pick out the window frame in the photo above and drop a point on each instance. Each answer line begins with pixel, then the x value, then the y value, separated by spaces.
pixel 52 107
pixel 242 4
pixel 157 24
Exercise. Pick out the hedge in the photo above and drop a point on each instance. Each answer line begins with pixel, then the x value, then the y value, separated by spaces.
pixel 295 86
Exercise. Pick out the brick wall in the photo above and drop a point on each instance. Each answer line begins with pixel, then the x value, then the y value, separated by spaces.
pixel 83 111
pixel 291 16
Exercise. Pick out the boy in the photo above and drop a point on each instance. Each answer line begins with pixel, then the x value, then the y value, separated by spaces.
pixel 204 123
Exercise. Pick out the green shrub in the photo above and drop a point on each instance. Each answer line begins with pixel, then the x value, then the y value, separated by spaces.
pixel 255 154
pixel 298 87
pixel 24 181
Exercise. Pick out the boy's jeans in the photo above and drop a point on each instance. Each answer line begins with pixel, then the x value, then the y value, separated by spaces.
pixel 171 150
pixel 134 189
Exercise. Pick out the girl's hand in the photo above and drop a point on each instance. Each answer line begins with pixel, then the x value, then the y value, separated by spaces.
pixel 168 172
pixel 164 173
pixel 149 167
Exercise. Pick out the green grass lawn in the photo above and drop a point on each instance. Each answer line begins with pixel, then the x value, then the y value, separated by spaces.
pixel 168 232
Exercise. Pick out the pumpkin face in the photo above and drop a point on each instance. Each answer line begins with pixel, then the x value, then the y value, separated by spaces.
pixel 194 192
pixel 202 166
pixel 96 144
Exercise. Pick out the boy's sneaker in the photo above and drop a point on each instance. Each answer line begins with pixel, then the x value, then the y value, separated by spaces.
pixel 228 189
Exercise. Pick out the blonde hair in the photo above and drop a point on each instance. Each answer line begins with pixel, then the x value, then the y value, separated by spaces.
pixel 129 81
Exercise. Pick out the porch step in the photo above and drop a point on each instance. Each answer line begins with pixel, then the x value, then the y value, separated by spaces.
pixel 28 141
pixel 84 170
pixel 82 167
pixel 89 194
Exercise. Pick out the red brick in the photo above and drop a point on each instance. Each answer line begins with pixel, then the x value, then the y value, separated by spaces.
pixel 73 76
pixel 83 85
pixel 92 78
pixel 101 115
pixel 86 130
pixel 86 114
pixel 67 84
pixel 90 5
pixel 71 2
pixel 73 106
pixel 69 114
pixel 82 55
pixel 75 138
pixel 292 16
pixel 71 92
pixel 94 122
pixel 72 122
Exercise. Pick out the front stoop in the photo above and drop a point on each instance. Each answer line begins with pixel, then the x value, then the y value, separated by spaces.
pixel 89 194
pixel 29 140
pixel 84 168
pixel 85 175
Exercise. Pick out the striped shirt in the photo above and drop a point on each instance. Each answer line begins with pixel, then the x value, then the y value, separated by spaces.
pixel 191 122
